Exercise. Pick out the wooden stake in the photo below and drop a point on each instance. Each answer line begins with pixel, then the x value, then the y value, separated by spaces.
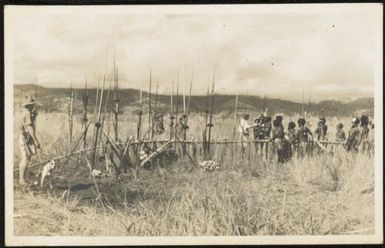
pixel 206 123
pixel 156 96
pixel 184 93
pixel 85 119
pixel 189 96
pixel 116 100
pixel 70 114
pixel 172 122
pixel 149 110
pixel 211 113
pixel 303 96
pixel 98 125
pixel 235 115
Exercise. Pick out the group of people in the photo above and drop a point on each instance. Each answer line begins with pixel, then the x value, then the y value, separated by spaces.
pixel 286 143
pixel 298 137
pixel 178 128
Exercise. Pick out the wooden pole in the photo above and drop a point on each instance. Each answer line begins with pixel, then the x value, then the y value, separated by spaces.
pixel 172 123
pixel 35 110
pixel 235 115
pixel 70 114
pixel 116 100
pixel 149 110
pixel 206 123
pixel 156 97
pixel 98 125
pixel 85 118
pixel 97 99
pixel 303 96
pixel 211 113
pixel 177 101
pixel 184 93
pixel 189 96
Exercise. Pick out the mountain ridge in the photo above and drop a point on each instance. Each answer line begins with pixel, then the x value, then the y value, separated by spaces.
pixel 57 100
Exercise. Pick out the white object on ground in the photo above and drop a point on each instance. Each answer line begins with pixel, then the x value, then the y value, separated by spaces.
pixel 47 171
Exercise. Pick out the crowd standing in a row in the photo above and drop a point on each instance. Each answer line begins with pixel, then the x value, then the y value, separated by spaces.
pixel 297 139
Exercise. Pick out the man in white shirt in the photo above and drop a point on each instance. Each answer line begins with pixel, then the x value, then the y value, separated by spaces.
pixel 244 129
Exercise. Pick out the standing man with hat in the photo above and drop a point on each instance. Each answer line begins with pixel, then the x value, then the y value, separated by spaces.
pixel 28 141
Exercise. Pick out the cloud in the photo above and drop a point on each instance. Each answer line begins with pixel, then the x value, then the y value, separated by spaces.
pixel 275 54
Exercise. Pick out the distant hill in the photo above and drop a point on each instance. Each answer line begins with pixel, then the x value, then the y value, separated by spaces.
pixel 57 100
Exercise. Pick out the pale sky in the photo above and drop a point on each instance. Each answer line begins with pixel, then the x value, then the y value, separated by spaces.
pixel 329 53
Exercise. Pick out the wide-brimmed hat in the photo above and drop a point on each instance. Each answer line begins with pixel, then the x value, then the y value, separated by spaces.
pixel 340 125
pixel 28 100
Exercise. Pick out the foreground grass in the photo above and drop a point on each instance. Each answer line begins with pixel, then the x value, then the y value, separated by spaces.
pixel 322 195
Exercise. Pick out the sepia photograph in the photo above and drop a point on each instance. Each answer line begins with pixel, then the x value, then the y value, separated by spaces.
pixel 193 124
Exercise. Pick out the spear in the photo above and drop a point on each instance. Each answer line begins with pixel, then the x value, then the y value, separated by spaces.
pixel 189 96
pixel 116 100
pixel 139 116
pixel 235 115
pixel 303 96
pixel 70 114
pixel 206 121
pixel 85 120
pixel 149 109
pixel 211 113
pixel 184 95
pixel 97 124
pixel 35 111
pixel 172 111
pixel 97 98
pixel 156 96
pixel 185 111
pixel 177 100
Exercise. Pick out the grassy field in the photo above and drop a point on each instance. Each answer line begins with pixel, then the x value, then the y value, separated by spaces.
pixel 323 194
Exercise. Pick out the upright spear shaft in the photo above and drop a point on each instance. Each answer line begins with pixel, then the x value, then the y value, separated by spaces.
pixel 70 114
pixel 156 96
pixel 303 96
pixel 177 100
pixel 235 115
pixel 149 109
pixel 206 121
pixel 211 113
pixel 85 120
pixel 35 106
pixel 97 99
pixel 172 124
pixel 116 100
pixel 97 124
pixel 184 94
pixel 185 112
pixel 139 116
pixel 189 96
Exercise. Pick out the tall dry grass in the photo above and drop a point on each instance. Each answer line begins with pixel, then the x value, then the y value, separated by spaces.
pixel 249 195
